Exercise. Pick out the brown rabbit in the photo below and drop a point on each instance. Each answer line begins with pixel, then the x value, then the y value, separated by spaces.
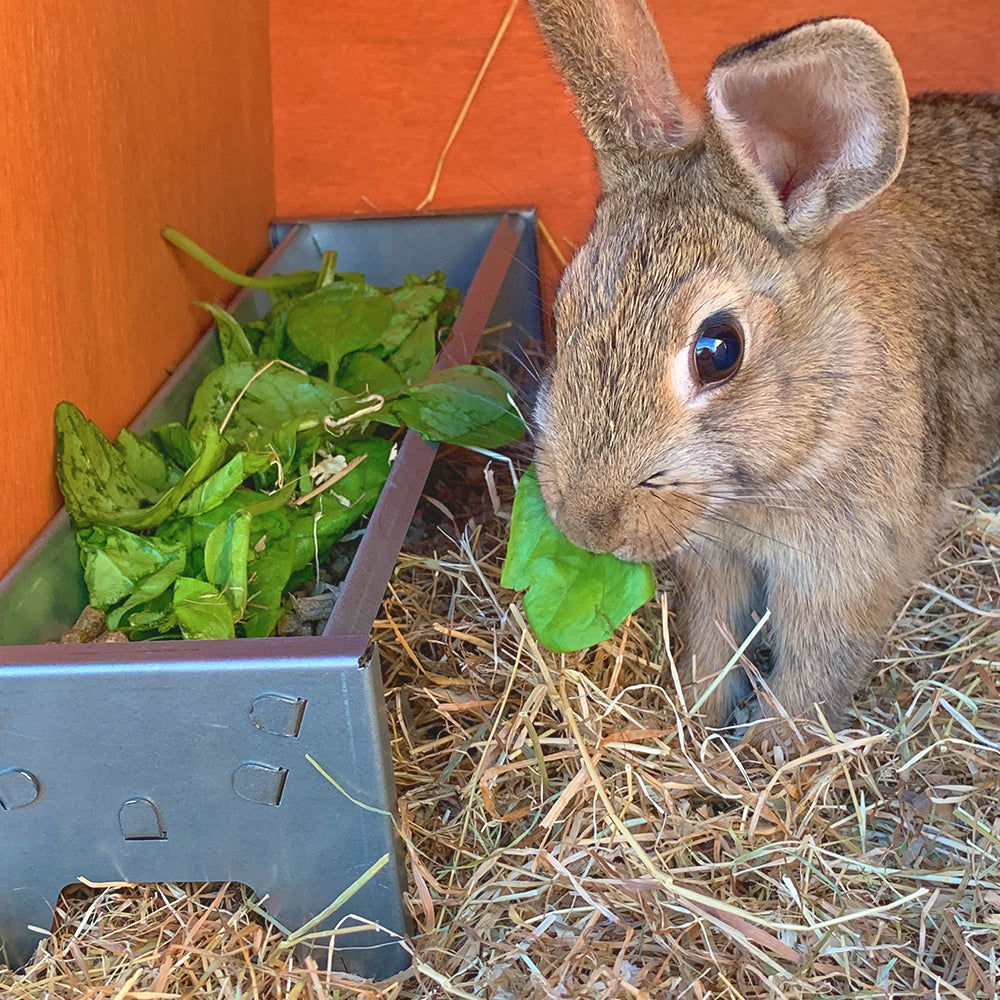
pixel 778 352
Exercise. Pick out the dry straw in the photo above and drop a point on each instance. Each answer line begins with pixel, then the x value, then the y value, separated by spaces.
pixel 569 835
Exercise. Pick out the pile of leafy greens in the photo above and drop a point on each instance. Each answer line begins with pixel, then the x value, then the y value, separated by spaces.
pixel 199 528
pixel 574 598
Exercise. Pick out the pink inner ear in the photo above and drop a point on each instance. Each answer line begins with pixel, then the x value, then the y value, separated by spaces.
pixel 791 124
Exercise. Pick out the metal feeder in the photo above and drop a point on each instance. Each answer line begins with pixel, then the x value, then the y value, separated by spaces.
pixel 187 760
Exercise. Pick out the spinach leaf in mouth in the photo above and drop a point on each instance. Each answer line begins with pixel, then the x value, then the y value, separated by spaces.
pixel 574 599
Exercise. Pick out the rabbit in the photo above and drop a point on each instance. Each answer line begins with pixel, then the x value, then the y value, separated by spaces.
pixel 777 354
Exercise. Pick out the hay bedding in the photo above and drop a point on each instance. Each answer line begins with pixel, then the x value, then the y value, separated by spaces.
pixel 568 836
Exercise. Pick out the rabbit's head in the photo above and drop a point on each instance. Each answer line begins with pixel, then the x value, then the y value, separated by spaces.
pixel 702 356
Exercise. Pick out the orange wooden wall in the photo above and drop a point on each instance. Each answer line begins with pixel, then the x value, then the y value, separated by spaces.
pixel 116 117
pixel 365 95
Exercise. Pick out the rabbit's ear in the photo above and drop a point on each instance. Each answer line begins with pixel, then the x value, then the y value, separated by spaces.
pixel 820 111
pixel 613 61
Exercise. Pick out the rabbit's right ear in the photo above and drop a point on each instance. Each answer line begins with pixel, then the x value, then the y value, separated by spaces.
pixel 613 61
pixel 819 113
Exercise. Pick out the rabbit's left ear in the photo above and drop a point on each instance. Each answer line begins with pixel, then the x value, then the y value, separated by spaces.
pixel 820 112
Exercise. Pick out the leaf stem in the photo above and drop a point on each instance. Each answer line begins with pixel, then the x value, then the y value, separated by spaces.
pixel 327 269
pixel 182 242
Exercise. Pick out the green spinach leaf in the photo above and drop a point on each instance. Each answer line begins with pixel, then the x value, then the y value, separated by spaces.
pixel 232 337
pixel 121 566
pixel 249 401
pixel 338 319
pixel 574 599
pixel 203 613
pixel 466 405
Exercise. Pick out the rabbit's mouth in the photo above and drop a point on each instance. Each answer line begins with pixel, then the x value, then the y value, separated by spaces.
pixel 648 525
pixel 628 553
pixel 651 549
pixel 616 510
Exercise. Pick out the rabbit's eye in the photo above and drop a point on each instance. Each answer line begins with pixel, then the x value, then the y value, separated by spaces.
pixel 718 350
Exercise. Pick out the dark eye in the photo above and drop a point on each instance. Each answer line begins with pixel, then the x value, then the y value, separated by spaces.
pixel 718 350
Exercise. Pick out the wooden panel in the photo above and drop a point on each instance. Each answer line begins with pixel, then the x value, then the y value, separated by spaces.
pixel 117 117
pixel 365 95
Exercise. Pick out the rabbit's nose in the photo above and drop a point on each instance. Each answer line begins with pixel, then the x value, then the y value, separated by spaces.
pixel 596 530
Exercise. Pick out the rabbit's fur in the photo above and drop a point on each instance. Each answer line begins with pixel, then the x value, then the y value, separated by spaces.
pixel 815 480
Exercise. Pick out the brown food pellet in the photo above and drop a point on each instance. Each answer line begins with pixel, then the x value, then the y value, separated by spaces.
pixel 88 626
